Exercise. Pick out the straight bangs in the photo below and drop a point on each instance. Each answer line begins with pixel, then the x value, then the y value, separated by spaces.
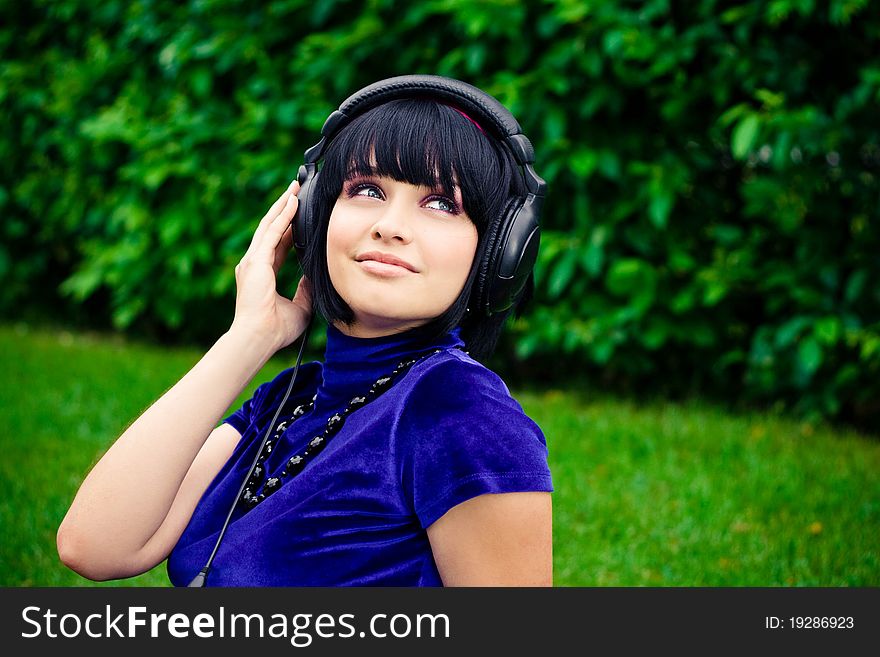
pixel 421 142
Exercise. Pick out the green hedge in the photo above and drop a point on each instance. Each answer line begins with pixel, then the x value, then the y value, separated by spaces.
pixel 713 209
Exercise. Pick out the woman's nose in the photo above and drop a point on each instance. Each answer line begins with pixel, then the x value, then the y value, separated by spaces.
pixel 393 224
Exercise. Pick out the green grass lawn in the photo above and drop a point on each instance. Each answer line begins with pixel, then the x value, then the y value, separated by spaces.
pixel 646 494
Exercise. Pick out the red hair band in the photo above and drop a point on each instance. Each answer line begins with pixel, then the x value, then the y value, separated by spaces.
pixel 469 119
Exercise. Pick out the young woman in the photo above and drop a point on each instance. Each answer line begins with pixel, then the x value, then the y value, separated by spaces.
pixel 400 459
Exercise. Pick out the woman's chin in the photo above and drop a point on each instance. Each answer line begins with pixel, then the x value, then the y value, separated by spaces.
pixel 368 325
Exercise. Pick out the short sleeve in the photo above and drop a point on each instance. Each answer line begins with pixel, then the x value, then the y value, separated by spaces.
pixel 241 419
pixel 466 436
pixel 269 395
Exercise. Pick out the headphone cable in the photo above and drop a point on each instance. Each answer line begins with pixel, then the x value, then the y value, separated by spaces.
pixel 199 580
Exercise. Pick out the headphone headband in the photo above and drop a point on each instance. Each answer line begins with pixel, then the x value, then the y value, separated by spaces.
pixel 476 103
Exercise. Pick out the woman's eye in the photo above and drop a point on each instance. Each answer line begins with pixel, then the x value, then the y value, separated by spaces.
pixel 366 190
pixel 443 204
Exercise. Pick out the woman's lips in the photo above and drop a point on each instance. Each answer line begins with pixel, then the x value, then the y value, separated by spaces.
pixel 383 269
pixel 384 264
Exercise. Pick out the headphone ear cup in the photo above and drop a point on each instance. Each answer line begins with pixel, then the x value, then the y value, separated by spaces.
pixel 303 220
pixel 484 284
pixel 510 257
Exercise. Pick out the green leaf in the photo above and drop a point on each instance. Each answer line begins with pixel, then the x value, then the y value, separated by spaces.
pixel 714 292
pixel 81 285
pixel 594 256
pixel 681 261
pixel 562 273
pixel 809 356
pixel 554 124
pixel 583 162
pixel 659 209
pixel 602 350
pixel 790 330
pixel 828 330
pixel 625 276
pixel 732 114
pixel 744 135
pixel 683 301
pixel 609 165
pixel 855 285
pixel 635 279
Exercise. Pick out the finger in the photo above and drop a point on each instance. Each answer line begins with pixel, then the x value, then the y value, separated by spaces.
pixel 273 212
pixel 283 248
pixel 278 205
pixel 265 250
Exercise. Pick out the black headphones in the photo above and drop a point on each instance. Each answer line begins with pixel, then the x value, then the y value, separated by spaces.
pixel 511 243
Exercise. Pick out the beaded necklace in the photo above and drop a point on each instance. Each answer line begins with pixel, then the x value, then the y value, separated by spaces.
pixel 255 491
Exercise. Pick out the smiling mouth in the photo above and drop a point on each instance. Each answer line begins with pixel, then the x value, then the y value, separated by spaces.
pixel 387 260
pixel 383 269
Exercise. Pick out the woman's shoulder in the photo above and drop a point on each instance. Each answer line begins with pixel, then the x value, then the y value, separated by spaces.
pixel 455 368
pixel 268 395
pixel 453 386
pixel 461 434
pixel 271 392
pixel 308 373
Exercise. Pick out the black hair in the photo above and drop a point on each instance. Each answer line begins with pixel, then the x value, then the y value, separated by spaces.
pixel 420 142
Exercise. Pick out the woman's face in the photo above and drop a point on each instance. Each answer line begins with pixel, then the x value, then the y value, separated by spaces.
pixel 398 254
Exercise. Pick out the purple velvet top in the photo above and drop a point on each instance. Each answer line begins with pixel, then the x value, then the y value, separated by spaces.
pixel 446 431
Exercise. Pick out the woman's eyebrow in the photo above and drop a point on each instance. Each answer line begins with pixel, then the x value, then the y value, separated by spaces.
pixel 454 190
pixel 355 170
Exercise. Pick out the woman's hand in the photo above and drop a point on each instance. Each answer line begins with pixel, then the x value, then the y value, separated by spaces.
pixel 259 309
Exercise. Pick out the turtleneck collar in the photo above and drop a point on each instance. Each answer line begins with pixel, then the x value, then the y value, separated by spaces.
pixel 351 365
